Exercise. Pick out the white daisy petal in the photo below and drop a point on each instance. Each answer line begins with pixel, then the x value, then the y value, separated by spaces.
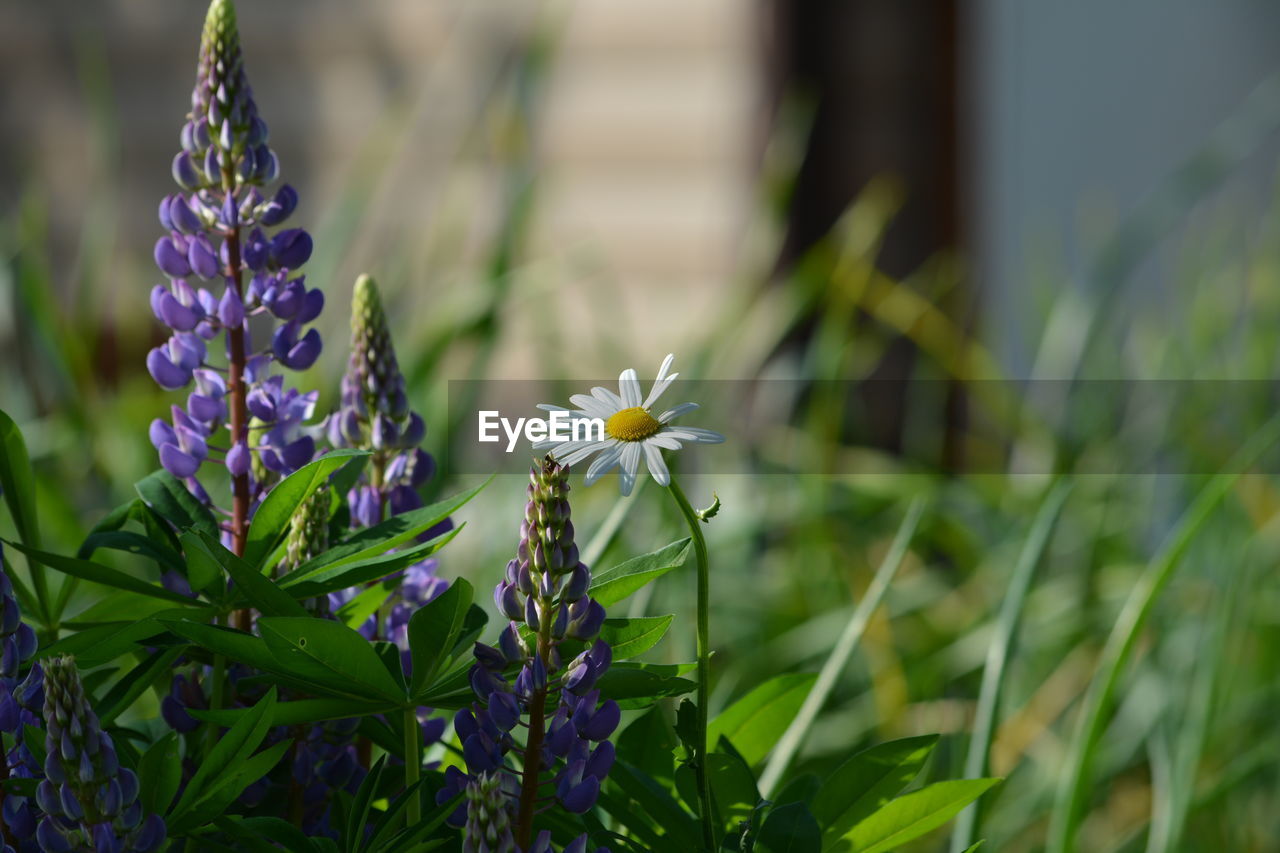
pixel 629 387
pixel 695 435
pixel 558 448
pixel 657 467
pixel 604 395
pixel 548 407
pixel 659 387
pixel 676 411
pixel 663 439
pixel 585 451
pixel 628 465
pixel 666 365
pixel 603 464
pixel 591 407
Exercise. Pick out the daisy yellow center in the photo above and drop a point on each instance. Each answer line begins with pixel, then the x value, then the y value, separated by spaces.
pixel 633 424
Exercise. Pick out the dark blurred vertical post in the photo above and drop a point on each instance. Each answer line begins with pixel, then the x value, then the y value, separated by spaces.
pixel 884 75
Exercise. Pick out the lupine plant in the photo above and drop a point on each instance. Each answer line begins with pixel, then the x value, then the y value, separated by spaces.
pixel 295 670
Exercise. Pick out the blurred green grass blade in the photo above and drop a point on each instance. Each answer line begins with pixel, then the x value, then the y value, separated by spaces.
pixel 791 740
pixel 609 528
pixel 1172 799
pixel 1095 711
pixel 984 722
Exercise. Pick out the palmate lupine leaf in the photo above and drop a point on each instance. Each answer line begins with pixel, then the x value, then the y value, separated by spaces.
pixel 615 584
pixel 17 481
pixel 868 781
pixel 173 502
pixel 160 774
pixel 433 633
pixel 395 531
pixel 912 815
pixel 789 828
pixel 271 521
pixel 105 575
pixel 632 637
pixel 754 723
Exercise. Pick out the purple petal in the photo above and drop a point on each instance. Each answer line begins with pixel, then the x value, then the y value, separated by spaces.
pixel 291 248
pixel 238 459
pixel 171 259
pixel 166 374
pixel 231 309
pixel 177 463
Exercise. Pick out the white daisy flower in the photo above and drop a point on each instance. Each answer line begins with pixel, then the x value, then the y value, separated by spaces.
pixel 631 430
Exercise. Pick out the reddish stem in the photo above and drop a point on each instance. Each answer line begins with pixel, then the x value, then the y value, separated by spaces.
pixel 533 751
pixel 236 390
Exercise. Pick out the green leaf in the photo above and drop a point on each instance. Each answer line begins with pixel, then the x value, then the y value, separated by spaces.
pixel 256 587
pixel 230 752
pixel 255 832
pixel 790 828
pixel 656 806
pixel 354 613
pixel 98 573
pixel 733 787
pixel 222 791
pixel 633 685
pixel 203 569
pixel 383 537
pixel 648 743
pixel 912 815
pixel 358 817
pixel 18 484
pixel 300 711
pixel 131 543
pixel 102 643
pixel 330 578
pixel 167 495
pixel 631 638
pixel 868 780
pixel 754 723
pixel 18 481
pixel 271 521
pixel 615 584
pixel 160 774
pixel 328 652
pixel 237 645
pixel 433 630
pixel 132 685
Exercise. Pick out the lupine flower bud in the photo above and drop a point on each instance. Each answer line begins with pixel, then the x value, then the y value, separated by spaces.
pixel 90 802
pixel 488 827
pixel 375 416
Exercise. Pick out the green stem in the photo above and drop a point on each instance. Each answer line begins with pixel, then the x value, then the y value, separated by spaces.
pixel 704 661
pixel 412 764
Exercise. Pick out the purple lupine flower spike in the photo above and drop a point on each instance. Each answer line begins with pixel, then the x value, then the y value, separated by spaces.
pixel 568 726
pixel 20 704
pixel 214 235
pixel 89 801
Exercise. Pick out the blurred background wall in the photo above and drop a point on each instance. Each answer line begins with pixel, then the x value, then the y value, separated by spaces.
pixel 673 151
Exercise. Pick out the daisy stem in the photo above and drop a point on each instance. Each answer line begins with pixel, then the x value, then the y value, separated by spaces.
pixel 704 660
